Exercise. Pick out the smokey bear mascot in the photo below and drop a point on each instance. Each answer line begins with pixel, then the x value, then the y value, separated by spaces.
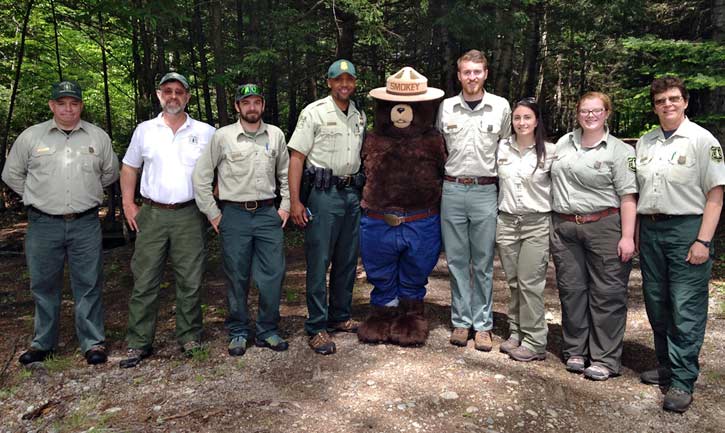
pixel 400 236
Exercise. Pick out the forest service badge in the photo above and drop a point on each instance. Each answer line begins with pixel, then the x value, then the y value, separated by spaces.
pixel 716 153
pixel 632 164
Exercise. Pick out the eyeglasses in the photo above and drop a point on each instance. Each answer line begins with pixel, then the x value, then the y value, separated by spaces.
pixel 596 112
pixel 172 92
pixel 671 99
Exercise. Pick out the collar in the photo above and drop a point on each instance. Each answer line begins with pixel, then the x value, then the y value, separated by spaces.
pixel 351 109
pixel 685 130
pixel 54 125
pixel 239 130
pixel 576 138
pixel 485 101
pixel 159 120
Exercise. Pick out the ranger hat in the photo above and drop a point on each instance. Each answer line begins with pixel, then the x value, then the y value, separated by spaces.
pixel 407 85
pixel 247 90
pixel 66 88
pixel 340 67
pixel 174 76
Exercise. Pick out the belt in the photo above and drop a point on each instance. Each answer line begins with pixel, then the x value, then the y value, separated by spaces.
pixel 663 216
pixel 341 181
pixel 483 180
pixel 67 216
pixel 150 202
pixel 250 206
pixel 395 220
pixel 589 218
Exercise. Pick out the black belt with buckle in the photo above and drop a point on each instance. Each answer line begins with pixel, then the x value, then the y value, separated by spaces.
pixel 250 206
pixel 172 206
pixel 483 180
pixel 67 216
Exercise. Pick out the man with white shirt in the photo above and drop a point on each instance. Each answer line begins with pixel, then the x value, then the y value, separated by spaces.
pixel 168 224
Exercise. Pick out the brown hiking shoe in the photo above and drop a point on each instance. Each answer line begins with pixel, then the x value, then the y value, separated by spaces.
pixel 459 336
pixel 509 345
pixel 524 354
pixel 483 341
pixel 322 343
pixel 348 325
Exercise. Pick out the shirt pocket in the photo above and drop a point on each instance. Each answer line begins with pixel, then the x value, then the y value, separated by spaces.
pixel 239 161
pixel 682 169
pixel 328 138
pixel 42 160
pixel 505 168
pixel 489 131
pixel 596 174
pixel 90 160
pixel 268 160
pixel 191 151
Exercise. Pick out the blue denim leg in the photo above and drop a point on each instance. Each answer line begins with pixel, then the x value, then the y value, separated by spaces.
pixel 379 252
pixel 422 246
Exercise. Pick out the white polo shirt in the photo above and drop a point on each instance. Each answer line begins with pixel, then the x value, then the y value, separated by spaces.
pixel 168 159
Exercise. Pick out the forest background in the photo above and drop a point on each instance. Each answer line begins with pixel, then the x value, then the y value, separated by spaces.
pixel 554 50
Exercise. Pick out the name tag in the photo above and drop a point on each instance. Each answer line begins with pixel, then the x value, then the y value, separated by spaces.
pixel 331 123
pixel 43 149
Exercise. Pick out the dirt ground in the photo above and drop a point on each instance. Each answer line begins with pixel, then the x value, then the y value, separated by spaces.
pixel 362 388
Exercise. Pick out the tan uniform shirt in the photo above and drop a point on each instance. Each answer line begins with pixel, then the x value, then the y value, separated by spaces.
pixel 61 173
pixel 676 173
pixel 521 189
pixel 249 165
pixel 328 138
pixel 589 180
pixel 473 135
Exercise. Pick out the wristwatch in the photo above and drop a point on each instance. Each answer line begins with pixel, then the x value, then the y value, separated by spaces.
pixel 706 243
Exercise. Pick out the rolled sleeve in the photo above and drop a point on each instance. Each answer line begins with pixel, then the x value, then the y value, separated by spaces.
pixel 624 178
pixel 304 136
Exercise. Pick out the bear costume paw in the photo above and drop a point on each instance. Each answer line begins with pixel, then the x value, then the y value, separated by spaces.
pixel 376 327
pixel 410 328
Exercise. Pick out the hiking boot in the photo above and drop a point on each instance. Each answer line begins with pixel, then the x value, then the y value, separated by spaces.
pixel 274 342
pixel 459 336
pixel 191 347
pixel 524 354
pixel 677 400
pixel 322 343
pixel 509 345
pixel 482 341
pixel 597 372
pixel 96 354
pixel 34 355
pixel 237 346
pixel 134 357
pixel 348 325
pixel 575 364
pixel 657 376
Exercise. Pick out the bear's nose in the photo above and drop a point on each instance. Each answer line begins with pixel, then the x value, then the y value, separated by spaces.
pixel 401 109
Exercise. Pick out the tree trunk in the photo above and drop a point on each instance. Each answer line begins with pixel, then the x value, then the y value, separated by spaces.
pixel 218 47
pixel 531 65
pixel 55 38
pixel 201 46
pixel 104 64
pixel 16 81
pixel 345 26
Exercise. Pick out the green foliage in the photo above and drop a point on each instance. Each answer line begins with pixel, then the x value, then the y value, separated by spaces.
pixel 57 363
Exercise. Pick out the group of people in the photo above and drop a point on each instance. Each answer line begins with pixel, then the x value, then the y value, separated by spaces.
pixel 590 200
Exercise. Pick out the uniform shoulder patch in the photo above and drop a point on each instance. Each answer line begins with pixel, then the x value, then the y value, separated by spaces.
pixel 716 153
pixel 632 163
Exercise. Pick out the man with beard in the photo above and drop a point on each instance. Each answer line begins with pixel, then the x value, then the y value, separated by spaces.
pixel 168 224
pixel 472 123
pixel 251 159
pixel 328 138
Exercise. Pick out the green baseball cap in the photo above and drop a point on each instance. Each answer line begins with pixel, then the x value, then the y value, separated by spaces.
pixel 66 88
pixel 340 67
pixel 247 90
pixel 174 76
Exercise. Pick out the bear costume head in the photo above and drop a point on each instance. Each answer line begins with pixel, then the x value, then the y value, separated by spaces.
pixel 406 106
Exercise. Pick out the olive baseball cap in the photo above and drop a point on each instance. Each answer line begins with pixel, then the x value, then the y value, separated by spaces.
pixel 174 76
pixel 340 67
pixel 66 88
pixel 247 90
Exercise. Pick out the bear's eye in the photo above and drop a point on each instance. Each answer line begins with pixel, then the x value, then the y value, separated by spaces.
pixel 401 109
